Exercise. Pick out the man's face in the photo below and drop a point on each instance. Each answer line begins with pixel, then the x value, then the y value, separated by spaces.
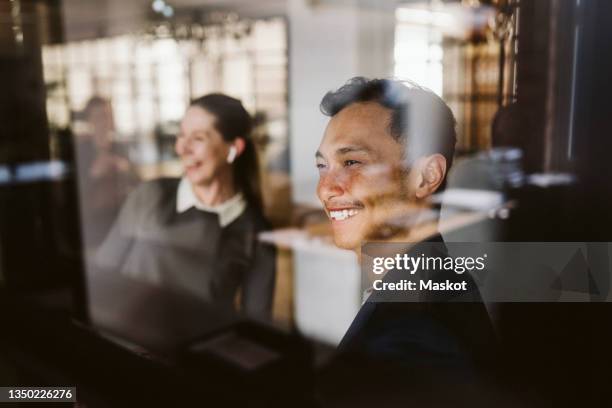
pixel 356 155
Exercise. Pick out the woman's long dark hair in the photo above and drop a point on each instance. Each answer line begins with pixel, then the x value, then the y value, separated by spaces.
pixel 233 121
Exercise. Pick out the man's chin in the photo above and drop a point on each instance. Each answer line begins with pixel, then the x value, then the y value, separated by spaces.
pixel 348 235
pixel 346 242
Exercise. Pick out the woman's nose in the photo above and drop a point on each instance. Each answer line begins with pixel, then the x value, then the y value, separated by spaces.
pixel 183 146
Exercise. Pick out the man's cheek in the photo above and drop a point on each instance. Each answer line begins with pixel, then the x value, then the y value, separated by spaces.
pixel 319 192
pixel 358 184
pixel 387 188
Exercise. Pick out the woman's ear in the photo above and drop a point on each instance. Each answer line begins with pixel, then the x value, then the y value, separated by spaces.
pixel 432 170
pixel 239 143
pixel 235 149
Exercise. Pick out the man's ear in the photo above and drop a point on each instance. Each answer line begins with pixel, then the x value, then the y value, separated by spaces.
pixel 431 171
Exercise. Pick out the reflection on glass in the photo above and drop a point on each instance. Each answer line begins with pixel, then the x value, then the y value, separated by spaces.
pixel 105 174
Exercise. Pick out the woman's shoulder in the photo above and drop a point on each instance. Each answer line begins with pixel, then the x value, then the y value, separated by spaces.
pixel 254 218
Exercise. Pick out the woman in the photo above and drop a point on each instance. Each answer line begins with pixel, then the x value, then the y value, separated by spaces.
pixel 198 234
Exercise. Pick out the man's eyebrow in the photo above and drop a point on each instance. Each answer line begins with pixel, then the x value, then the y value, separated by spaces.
pixel 352 149
pixel 345 150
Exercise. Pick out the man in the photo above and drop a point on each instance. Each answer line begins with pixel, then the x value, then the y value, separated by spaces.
pixel 386 149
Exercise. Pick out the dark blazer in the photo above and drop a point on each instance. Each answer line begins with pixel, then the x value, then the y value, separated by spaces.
pixel 437 332
pixel 190 251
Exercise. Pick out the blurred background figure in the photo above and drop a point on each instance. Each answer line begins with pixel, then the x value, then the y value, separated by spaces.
pixel 198 234
pixel 106 175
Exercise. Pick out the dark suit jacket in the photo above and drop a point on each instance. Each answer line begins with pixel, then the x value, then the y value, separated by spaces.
pixel 438 332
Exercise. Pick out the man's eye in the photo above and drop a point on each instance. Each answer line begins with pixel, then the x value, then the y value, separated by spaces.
pixel 351 162
pixel 320 166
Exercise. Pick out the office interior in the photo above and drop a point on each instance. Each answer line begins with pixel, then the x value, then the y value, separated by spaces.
pixel 536 172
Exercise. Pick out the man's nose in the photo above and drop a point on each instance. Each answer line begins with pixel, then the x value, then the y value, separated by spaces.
pixel 331 185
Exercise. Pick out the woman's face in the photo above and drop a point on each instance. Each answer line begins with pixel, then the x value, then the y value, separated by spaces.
pixel 201 147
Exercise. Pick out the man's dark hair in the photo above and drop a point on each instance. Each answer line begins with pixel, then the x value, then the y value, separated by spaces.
pixel 420 119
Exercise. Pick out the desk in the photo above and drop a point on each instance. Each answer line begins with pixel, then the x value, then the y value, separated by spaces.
pixel 139 353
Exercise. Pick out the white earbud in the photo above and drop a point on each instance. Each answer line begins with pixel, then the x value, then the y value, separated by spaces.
pixel 231 156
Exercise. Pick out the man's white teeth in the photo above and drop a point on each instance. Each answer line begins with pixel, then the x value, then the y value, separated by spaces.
pixel 342 214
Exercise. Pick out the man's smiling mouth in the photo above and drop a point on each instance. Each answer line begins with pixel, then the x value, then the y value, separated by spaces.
pixel 341 215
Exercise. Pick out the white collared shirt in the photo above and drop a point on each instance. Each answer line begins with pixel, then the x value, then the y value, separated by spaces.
pixel 227 211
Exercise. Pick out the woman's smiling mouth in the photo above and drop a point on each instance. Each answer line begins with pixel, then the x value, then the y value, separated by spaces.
pixel 190 164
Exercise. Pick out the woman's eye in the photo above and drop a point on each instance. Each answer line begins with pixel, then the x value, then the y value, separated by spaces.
pixel 200 136
pixel 351 162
